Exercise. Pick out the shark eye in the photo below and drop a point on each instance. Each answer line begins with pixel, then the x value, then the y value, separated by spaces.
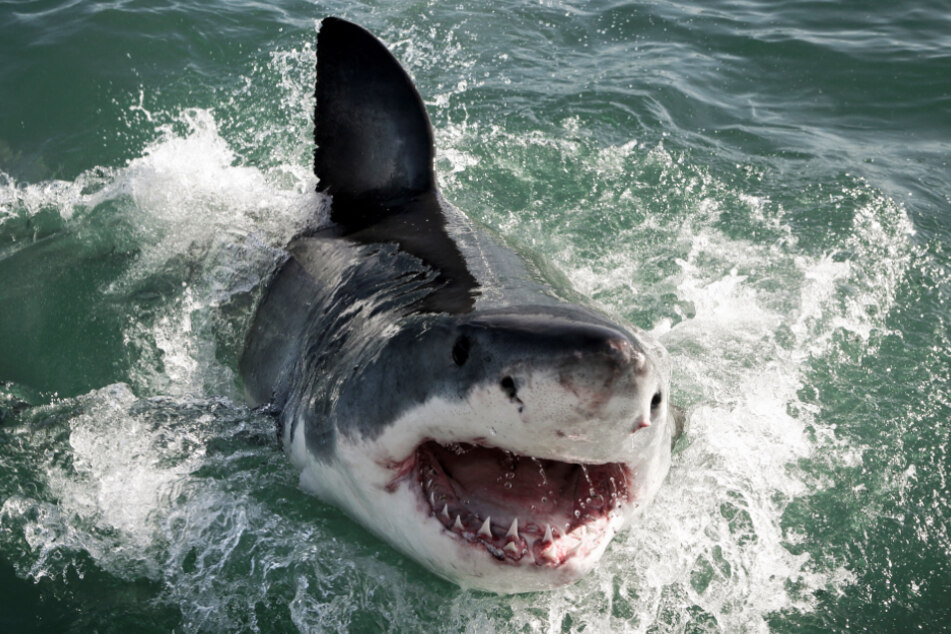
pixel 460 351
pixel 655 402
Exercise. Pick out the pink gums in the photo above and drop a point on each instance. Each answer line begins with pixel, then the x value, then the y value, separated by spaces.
pixel 517 506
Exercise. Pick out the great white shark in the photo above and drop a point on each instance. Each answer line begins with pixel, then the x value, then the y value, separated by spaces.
pixel 432 383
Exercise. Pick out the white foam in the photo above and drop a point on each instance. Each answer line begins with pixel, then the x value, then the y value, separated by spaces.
pixel 121 470
pixel 719 545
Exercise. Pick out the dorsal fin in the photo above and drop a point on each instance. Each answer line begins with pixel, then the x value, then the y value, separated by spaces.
pixel 374 139
pixel 375 157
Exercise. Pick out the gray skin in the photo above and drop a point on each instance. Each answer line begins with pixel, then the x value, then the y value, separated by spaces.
pixel 403 299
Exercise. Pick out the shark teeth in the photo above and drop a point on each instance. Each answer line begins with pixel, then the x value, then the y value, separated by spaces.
pixel 529 544
pixel 540 532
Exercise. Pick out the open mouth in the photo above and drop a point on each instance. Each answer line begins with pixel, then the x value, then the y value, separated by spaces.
pixel 517 507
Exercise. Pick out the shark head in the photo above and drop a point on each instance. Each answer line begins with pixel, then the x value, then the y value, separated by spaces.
pixel 504 449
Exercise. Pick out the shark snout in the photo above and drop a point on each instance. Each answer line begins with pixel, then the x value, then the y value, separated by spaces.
pixel 621 351
pixel 586 352
pixel 567 375
pixel 607 374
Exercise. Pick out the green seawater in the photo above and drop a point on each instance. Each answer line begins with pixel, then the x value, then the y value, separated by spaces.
pixel 765 186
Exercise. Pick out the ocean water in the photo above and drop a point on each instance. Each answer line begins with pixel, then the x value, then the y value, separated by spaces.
pixel 765 186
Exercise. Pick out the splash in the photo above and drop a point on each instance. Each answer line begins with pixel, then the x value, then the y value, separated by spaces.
pixel 209 229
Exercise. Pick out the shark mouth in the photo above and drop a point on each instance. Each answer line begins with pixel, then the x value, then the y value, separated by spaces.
pixel 520 509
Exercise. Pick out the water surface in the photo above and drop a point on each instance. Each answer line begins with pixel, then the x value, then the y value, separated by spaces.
pixel 766 188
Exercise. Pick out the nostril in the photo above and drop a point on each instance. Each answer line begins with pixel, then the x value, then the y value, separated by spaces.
pixel 508 386
pixel 655 402
pixel 460 351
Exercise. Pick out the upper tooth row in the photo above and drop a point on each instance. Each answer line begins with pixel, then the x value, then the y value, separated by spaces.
pixel 485 529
